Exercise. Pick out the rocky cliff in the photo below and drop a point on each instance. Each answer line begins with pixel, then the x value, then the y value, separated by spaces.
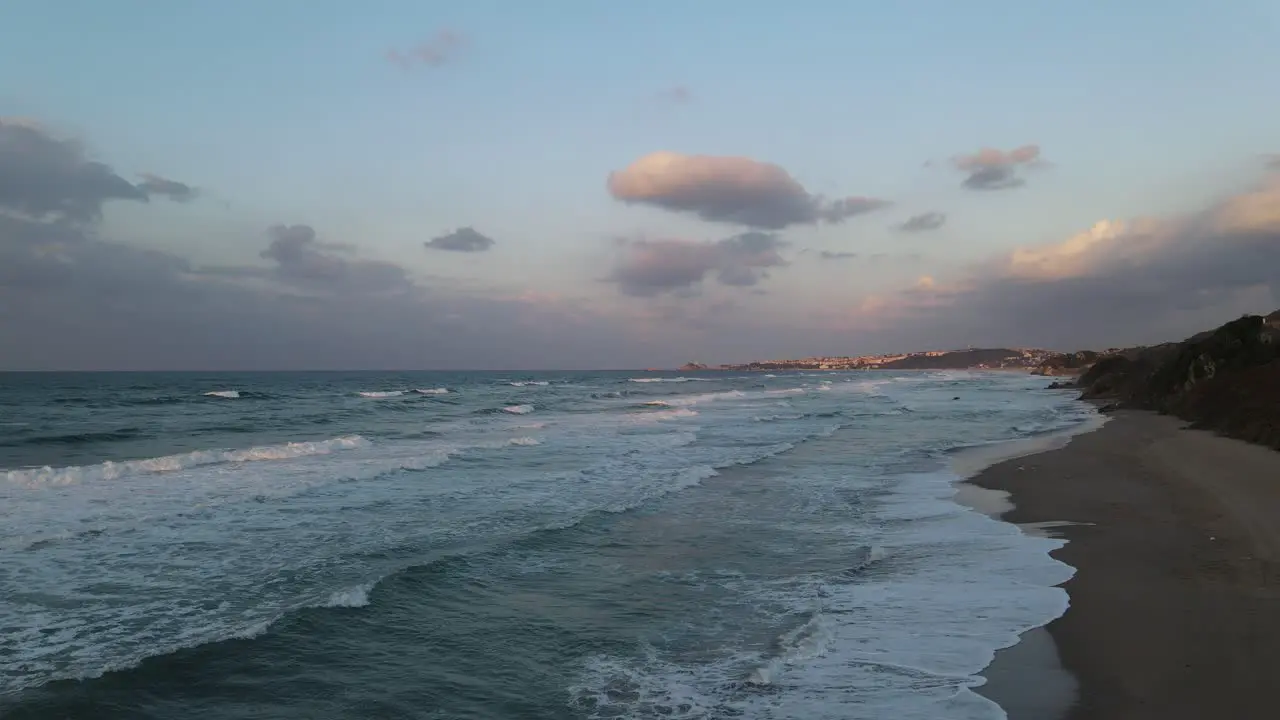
pixel 1226 379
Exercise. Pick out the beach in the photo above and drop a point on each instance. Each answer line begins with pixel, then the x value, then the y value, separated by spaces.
pixel 1175 603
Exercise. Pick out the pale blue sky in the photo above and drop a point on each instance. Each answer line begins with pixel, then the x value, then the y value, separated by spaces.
pixel 289 111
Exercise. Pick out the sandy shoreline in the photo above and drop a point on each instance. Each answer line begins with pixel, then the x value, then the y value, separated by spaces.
pixel 1175 604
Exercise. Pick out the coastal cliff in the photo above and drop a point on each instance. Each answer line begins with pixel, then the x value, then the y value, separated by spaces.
pixel 1226 380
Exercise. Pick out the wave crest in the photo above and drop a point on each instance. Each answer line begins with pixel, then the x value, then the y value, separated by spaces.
pixel 112 470
pixel 352 597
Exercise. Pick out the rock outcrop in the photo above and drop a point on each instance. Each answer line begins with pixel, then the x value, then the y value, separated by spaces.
pixel 1226 380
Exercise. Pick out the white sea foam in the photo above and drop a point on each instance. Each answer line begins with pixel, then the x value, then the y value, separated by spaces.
pixel 226 394
pixel 352 597
pixel 173 463
pixel 529 383
pixel 905 643
pixel 673 414
pixel 901 632
pixel 808 641
pixel 518 409
pixel 686 400
pixel 525 441
pixel 380 393
pixel 432 391
pixel 613 687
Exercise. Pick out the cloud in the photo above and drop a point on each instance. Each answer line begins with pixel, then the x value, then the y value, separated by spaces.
pixel 437 51
pixel 461 240
pixel 992 169
pixel 71 300
pixel 303 262
pixel 828 255
pixel 72 296
pixel 1120 282
pixel 923 222
pixel 839 210
pixel 98 304
pixel 43 177
pixel 653 267
pixel 676 95
pixel 172 189
pixel 733 190
pixel 76 294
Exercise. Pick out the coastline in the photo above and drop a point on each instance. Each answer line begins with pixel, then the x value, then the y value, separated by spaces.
pixel 1174 538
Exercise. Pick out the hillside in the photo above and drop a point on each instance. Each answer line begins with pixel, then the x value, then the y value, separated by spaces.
pixel 972 358
pixel 1067 363
pixel 1226 380
pixel 961 359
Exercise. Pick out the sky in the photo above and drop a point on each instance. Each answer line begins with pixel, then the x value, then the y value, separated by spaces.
pixel 578 184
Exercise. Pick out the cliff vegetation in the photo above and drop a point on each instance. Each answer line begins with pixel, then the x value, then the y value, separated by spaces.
pixel 1226 380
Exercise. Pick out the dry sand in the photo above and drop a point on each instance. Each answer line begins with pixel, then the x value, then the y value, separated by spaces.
pixel 1175 605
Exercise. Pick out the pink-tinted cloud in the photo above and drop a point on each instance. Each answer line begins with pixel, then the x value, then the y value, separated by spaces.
pixel 1118 282
pixel 992 169
pixel 734 190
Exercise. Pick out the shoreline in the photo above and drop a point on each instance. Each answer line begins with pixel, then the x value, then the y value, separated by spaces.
pixel 1026 679
pixel 1175 542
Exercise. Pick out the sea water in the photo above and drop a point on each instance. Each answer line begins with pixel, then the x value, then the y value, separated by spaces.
pixel 480 545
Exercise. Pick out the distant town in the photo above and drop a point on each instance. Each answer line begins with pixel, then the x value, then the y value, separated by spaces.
pixel 1029 359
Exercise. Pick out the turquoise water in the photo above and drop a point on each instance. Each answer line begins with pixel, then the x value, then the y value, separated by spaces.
pixel 477 545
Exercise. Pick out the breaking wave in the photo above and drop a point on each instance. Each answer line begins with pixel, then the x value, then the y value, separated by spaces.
pixel 112 470
pixel 673 414
pixel 352 597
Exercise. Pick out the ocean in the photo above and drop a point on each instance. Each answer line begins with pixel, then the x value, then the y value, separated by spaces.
pixel 507 545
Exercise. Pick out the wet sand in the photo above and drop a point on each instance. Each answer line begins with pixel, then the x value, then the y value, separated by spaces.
pixel 1175 605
